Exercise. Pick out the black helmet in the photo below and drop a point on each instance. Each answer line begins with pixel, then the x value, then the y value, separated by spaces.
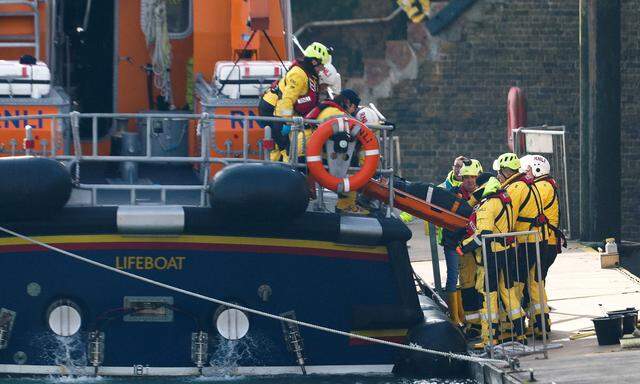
pixel 351 95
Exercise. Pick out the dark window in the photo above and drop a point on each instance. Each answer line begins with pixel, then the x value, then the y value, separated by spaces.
pixel 179 18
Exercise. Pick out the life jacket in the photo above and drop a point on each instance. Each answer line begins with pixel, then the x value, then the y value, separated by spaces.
pixel 506 203
pixel 539 220
pixel 559 234
pixel 506 200
pixel 315 112
pixel 472 229
pixel 471 225
pixel 307 102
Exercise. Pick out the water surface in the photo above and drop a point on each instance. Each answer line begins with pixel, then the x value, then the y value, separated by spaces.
pixel 311 379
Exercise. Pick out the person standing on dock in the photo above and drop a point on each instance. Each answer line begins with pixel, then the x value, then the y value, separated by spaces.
pixel 449 244
pixel 529 216
pixel 538 167
pixel 469 295
pixel 494 215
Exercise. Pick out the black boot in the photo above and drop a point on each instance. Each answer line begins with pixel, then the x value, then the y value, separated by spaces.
pixel 472 331
pixel 519 331
pixel 537 330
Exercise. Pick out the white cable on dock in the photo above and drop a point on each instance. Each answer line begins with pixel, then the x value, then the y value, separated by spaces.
pixel 449 355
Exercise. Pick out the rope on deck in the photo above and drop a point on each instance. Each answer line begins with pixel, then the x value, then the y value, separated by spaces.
pixel 448 355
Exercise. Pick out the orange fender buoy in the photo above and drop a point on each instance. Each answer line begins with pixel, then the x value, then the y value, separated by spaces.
pixel 370 146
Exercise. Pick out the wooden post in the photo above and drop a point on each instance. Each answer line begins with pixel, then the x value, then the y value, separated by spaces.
pixel 603 210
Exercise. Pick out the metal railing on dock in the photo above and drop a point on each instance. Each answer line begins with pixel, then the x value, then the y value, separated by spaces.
pixel 511 271
pixel 549 141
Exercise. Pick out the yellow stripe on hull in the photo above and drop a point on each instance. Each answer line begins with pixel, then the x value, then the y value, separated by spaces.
pixel 202 239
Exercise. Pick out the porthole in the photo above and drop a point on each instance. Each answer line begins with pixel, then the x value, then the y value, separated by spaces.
pixel 64 318
pixel 232 324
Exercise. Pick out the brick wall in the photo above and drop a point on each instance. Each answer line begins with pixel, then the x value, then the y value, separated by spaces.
pixel 353 44
pixel 457 104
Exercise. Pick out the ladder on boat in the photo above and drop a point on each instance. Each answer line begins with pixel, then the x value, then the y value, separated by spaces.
pixel 21 9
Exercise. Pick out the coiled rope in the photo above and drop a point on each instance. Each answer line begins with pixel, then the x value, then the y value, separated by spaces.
pixel 448 355
pixel 153 21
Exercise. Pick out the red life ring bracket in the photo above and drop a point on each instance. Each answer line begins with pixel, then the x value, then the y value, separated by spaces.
pixel 370 146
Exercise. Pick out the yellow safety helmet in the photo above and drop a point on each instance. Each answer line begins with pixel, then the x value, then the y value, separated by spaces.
pixel 491 186
pixel 471 168
pixel 507 160
pixel 318 51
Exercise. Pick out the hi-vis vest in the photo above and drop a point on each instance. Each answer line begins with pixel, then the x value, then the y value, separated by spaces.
pixel 527 207
pixel 551 207
pixel 296 91
pixel 494 214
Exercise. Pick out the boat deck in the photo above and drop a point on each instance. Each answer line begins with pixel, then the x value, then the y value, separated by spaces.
pixel 578 291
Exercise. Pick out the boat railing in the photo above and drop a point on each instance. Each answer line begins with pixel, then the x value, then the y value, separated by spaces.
pixel 67 144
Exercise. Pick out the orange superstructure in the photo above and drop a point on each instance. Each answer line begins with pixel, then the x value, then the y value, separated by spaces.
pixel 99 57
pixel 18 26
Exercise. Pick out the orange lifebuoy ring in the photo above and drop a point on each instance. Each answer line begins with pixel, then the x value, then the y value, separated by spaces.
pixel 370 147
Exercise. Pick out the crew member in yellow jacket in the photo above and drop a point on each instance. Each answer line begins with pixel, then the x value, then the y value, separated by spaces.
pixel 529 216
pixel 539 168
pixel 296 94
pixel 494 215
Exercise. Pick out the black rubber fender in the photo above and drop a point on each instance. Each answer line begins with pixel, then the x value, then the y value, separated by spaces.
pixel 265 192
pixel 436 332
pixel 32 187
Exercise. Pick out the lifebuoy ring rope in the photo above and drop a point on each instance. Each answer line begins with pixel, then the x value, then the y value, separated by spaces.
pixel 370 146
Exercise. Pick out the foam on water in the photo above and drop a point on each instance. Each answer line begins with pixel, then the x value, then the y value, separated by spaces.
pixel 76 379
pixel 289 379
pixel 227 355
pixel 68 352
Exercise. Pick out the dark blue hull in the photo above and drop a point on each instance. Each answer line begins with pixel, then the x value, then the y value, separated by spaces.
pixel 366 289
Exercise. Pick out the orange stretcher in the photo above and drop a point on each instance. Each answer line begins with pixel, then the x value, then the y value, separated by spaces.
pixel 415 206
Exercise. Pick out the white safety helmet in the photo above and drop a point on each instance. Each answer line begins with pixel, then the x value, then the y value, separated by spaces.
pixel 330 76
pixel 539 165
pixel 367 115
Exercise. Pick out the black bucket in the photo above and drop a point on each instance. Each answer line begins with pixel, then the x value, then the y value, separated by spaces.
pixel 608 329
pixel 629 321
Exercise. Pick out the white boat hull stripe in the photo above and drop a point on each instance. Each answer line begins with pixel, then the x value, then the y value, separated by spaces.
pixel 193 371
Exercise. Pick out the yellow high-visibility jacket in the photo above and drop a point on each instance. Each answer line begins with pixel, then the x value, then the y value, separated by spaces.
pixel 527 206
pixel 550 204
pixel 325 114
pixel 330 112
pixel 493 215
pixel 293 85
